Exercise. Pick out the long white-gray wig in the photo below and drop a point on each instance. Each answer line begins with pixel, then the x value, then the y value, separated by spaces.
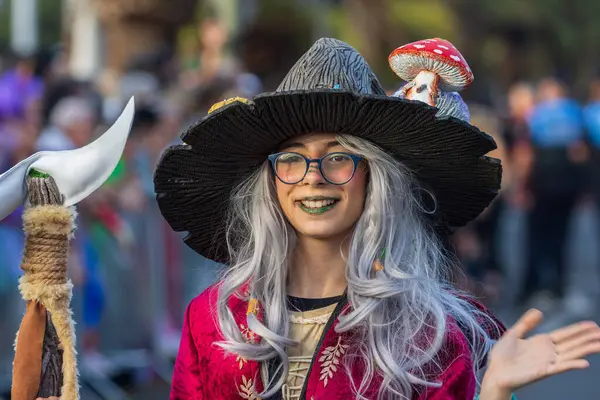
pixel 390 310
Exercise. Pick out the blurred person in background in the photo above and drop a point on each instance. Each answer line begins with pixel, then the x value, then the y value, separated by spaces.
pixel 20 84
pixel 21 90
pixel 555 183
pixel 72 125
pixel 520 103
pixel 22 132
pixel 592 122
pixel 159 63
pixel 517 139
pixel 476 244
pixel 197 102
pixel 591 113
pixel 213 60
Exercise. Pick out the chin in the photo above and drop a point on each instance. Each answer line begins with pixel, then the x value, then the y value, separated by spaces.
pixel 323 230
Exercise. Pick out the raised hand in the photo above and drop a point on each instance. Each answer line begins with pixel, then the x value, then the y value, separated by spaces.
pixel 516 361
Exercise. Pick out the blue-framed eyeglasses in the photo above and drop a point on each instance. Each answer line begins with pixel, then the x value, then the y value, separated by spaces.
pixel 336 168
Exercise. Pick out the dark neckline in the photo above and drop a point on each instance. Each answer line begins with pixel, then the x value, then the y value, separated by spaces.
pixel 303 304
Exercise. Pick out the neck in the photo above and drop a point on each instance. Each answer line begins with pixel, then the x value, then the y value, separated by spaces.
pixel 317 269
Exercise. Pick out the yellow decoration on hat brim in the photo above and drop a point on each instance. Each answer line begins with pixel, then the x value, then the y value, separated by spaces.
pixel 223 103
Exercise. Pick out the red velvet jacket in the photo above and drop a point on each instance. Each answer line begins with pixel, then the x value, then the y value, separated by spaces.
pixel 204 371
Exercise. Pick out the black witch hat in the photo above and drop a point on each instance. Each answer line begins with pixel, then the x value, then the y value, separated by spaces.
pixel 330 89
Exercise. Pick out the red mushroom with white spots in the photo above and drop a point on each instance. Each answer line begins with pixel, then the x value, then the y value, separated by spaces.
pixel 428 65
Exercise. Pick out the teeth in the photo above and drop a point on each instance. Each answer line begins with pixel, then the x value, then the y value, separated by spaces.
pixel 317 203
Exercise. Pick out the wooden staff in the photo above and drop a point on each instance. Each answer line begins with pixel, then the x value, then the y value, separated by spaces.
pixel 45 364
pixel 50 184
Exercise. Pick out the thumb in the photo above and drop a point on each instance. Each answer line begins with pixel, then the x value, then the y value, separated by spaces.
pixel 526 323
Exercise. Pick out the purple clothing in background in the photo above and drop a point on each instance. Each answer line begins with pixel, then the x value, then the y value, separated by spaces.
pixel 9 140
pixel 14 219
pixel 16 91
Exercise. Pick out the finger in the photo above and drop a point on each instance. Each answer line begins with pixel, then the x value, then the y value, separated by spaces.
pixel 566 332
pixel 565 366
pixel 527 322
pixel 580 352
pixel 592 335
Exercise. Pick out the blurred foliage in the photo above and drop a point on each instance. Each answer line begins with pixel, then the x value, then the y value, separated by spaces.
pixel 407 21
pixel 536 38
pixel 503 41
pixel 424 18
pixel 49 23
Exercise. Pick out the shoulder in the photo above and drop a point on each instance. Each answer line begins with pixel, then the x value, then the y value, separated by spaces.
pixel 460 340
pixel 204 301
pixel 202 312
pixel 493 327
pixel 456 346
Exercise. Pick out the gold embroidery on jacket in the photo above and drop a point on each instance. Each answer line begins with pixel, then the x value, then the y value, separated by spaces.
pixel 330 360
pixel 246 390
pixel 250 337
pixel 241 361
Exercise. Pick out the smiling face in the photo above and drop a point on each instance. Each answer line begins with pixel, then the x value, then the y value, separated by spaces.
pixel 315 207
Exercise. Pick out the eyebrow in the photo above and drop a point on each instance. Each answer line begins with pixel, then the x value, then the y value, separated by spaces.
pixel 302 145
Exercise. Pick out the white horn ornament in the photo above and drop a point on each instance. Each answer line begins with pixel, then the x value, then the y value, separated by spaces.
pixel 77 172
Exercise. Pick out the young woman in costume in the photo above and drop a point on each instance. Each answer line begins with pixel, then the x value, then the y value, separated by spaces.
pixel 329 202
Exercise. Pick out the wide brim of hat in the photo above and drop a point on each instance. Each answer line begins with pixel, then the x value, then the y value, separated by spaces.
pixel 194 181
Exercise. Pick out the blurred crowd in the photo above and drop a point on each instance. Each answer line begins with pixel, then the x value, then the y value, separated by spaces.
pixel 548 142
pixel 120 231
pixel 549 145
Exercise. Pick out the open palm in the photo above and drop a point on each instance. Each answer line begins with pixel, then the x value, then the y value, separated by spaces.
pixel 516 361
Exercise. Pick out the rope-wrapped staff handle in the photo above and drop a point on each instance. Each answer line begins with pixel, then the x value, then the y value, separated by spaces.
pixel 50 184
pixel 45 362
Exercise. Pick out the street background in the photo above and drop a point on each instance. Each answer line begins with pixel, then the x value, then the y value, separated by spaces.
pixel 67 67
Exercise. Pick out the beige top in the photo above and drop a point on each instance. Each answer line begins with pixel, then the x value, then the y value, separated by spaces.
pixel 305 328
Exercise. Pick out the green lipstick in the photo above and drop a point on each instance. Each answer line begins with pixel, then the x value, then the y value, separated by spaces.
pixel 316 211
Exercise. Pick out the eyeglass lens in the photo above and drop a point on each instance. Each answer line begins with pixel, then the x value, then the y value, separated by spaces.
pixel 336 168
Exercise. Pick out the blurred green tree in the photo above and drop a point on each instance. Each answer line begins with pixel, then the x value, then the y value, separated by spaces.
pixel 527 40
pixel 376 27
pixel 504 41
pixel 49 23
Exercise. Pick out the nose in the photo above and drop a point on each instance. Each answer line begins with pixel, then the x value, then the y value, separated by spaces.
pixel 313 176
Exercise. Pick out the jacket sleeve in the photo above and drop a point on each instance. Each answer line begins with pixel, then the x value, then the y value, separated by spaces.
pixel 187 375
